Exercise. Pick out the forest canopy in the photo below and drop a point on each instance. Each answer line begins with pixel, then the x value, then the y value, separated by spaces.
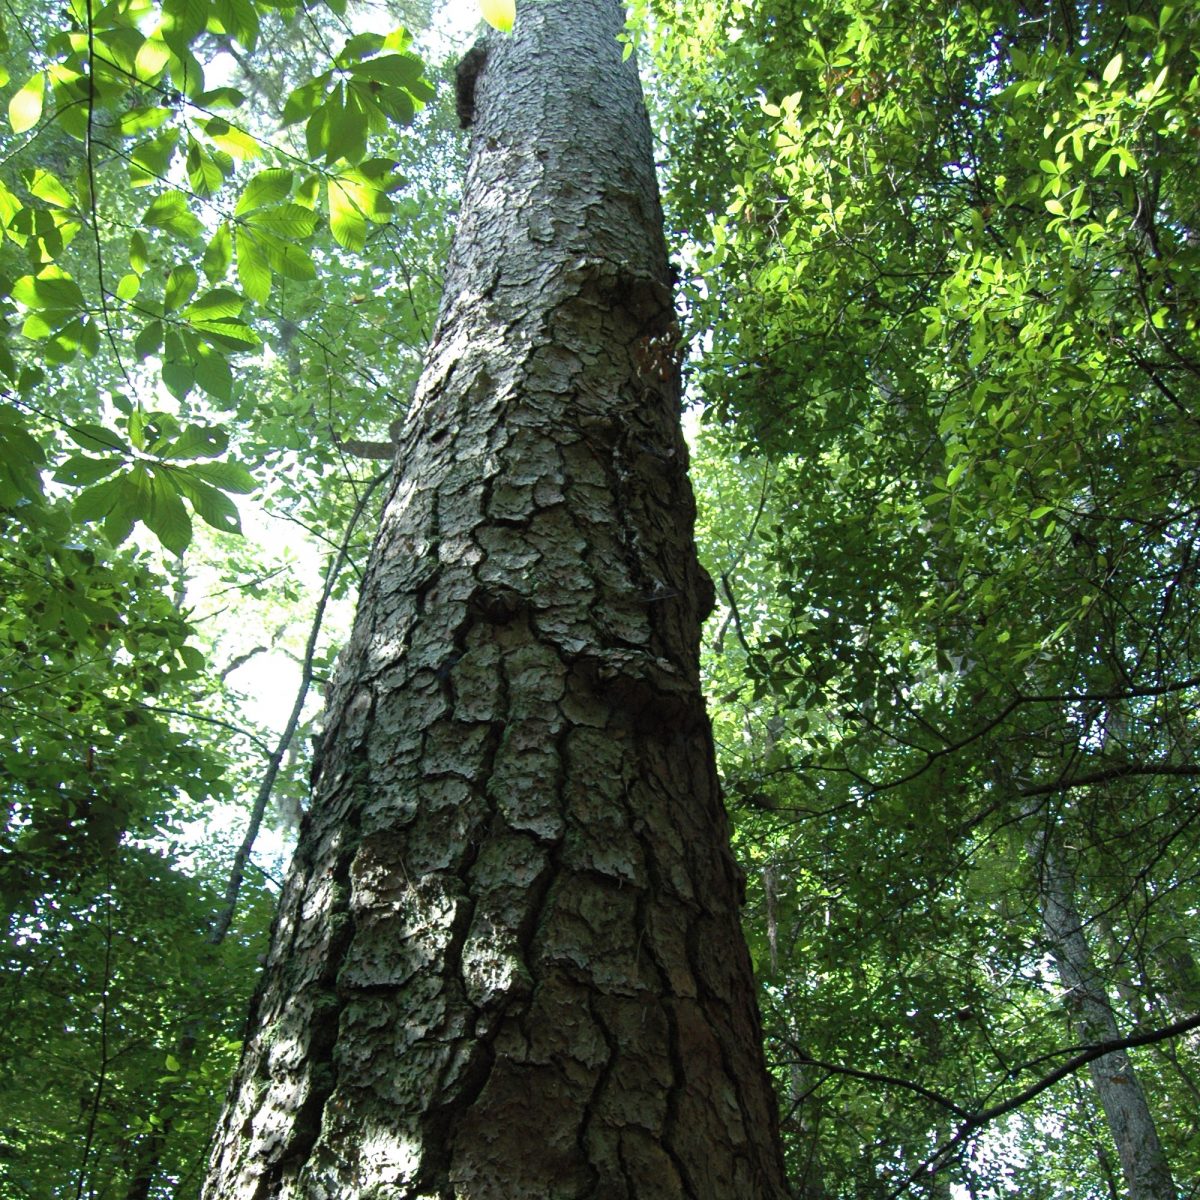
pixel 939 299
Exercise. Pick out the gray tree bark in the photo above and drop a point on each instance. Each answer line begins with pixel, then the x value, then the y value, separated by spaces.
pixel 508 961
pixel 1144 1164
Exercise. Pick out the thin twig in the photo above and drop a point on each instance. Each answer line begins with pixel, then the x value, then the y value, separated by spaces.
pixel 223 920
pixel 102 1073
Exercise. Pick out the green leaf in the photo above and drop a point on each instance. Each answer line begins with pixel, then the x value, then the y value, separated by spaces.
pixel 30 378
pixel 212 505
pixel 1113 69
pixel 289 260
pixel 354 199
pixel 198 441
pixel 499 14
pixel 37 326
pixel 228 476
pixel 338 129
pixel 397 103
pixel 204 171
pixel 397 70
pixel 142 120
pixel 53 289
pixel 64 343
pixel 48 187
pixel 253 271
pixel 186 70
pixel 181 285
pixel 306 99
pixel 232 142
pixel 20 458
pixel 127 507
pixel 184 19
pixel 10 206
pixel 137 428
pixel 151 59
pixel 218 254
pixel 95 503
pixel 81 470
pixel 164 513
pixel 213 373
pixel 346 220
pixel 193 660
pixel 217 302
pixel 179 378
pixel 149 340
pixel 239 19
pixel 118 44
pixel 25 108
pixel 308 191
pixel 265 188
pixel 380 173
pixel 358 47
pixel 89 341
pixel 230 334
pixel 285 220
pixel 139 253
pixel 221 97
pixel 92 436
pixel 170 211
pixel 150 161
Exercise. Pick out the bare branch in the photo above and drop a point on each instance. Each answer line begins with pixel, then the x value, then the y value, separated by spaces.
pixel 223 920
pixel 877 1077
pixel 975 1121
pixel 1107 774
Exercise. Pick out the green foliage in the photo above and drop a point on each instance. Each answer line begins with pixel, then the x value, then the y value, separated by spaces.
pixel 180 182
pixel 121 1027
pixel 945 280
pixel 94 653
pixel 195 308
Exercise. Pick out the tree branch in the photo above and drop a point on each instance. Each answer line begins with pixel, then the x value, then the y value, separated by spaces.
pixel 975 1121
pixel 223 920
pixel 194 716
pixel 877 1077
pixel 1106 774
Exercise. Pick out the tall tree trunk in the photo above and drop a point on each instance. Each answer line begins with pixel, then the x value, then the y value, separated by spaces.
pixel 507 961
pixel 1143 1163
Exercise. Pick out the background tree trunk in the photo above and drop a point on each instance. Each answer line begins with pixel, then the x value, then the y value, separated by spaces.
pixel 508 961
pixel 1143 1162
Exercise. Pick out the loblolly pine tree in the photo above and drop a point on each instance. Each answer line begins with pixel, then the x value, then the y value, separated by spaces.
pixel 507 960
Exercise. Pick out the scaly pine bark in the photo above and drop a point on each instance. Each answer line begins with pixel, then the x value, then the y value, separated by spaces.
pixel 508 961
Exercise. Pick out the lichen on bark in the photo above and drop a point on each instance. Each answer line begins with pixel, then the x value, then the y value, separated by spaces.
pixel 508 961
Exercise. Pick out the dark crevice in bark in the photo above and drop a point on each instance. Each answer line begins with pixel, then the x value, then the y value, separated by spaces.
pixel 588 1116
pixel 327 1006
pixel 440 1122
pixel 657 887
pixel 716 1010
pixel 671 1122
